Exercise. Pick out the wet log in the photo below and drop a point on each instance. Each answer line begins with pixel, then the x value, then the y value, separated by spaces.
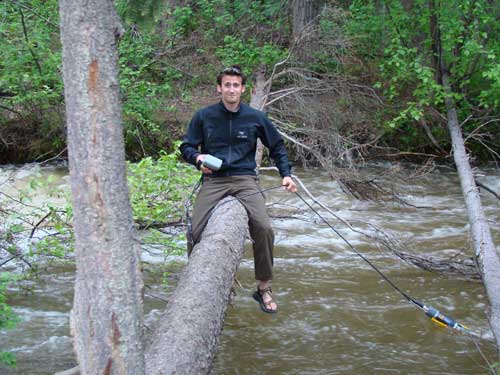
pixel 186 338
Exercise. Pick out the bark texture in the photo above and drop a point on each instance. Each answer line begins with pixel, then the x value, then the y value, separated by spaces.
pixel 304 13
pixel 106 320
pixel 258 101
pixel 186 339
pixel 486 254
pixel 304 16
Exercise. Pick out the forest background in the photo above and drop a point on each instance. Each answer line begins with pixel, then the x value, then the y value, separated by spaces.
pixel 345 82
pixel 356 79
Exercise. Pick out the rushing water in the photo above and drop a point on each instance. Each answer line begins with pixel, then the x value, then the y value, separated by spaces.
pixel 337 316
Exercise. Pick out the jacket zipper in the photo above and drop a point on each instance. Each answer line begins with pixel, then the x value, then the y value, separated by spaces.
pixel 230 138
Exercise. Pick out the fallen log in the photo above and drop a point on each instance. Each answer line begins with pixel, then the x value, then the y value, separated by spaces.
pixel 487 255
pixel 186 338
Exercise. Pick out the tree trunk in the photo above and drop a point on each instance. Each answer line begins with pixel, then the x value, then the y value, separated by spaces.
pixel 186 339
pixel 487 256
pixel 304 12
pixel 106 320
pixel 258 101
pixel 304 16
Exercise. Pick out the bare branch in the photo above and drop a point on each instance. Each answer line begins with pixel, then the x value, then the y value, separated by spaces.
pixel 487 189
pixel 472 133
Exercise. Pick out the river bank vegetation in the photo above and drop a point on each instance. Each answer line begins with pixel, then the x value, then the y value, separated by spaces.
pixel 345 83
pixel 360 81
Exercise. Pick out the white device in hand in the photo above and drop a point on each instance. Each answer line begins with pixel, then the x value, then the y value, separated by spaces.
pixel 212 162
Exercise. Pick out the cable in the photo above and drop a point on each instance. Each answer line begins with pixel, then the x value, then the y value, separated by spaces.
pixel 187 205
pixel 435 315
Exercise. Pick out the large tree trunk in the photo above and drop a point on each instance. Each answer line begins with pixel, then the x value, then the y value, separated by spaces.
pixel 304 13
pixel 304 17
pixel 186 339
pixel 106 320
pixel 258 101
pixel 486 255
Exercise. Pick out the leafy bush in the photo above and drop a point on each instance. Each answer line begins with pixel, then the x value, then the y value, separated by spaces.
pixel 8 319
pixel 158 188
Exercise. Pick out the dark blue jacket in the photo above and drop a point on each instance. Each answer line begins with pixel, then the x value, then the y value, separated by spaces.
pixel 232 137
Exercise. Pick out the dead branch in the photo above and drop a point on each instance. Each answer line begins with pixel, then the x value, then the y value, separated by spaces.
pixel 458 264
pixel 488 189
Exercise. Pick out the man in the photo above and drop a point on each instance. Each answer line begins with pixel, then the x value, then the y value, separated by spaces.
pixel 229 130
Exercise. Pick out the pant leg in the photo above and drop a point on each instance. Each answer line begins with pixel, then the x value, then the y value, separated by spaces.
pixel 211 192
pixel 259 224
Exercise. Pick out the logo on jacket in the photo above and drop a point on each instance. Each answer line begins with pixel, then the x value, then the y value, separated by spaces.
pixel 241 134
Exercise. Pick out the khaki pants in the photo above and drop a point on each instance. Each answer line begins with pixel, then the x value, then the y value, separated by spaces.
pixel 213 190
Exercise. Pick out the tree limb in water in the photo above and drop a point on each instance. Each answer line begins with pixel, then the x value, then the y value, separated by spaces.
pixel 457 264
pixel 488 189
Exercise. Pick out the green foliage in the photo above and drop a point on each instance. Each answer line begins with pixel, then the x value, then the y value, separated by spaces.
pixel 8 359
pixel 237 32
pixel 184 21
pixel 8 319
pixel 158 188
pixel 490 95
pixel 141 12
pixel 31 85
pixel 145 87
pixel 248 53
pixel 398 39
pixel 169 244
pixel 30 80
pixel 30 54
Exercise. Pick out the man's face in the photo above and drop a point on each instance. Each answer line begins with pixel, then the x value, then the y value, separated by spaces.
pixel 231 89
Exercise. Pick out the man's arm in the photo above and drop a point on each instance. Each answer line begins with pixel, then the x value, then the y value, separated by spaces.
pixel 277 151
pixel 192 140
pixel 274 142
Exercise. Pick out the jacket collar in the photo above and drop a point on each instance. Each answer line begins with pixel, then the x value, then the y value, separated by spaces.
pixel 221 103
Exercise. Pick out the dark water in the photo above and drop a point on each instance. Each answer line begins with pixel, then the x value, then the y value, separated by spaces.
pixel 336 314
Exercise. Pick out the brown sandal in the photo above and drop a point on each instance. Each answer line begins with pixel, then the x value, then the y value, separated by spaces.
pixel 259 297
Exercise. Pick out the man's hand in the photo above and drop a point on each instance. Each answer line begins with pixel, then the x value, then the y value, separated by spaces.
pixel 203 169
pixel 289 185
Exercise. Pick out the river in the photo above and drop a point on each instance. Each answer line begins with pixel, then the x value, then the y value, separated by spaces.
pixel 336 315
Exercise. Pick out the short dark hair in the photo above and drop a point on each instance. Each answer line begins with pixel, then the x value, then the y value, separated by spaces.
pixel 233 70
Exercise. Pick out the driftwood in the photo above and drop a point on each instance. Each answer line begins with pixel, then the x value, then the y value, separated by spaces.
pixel 186 339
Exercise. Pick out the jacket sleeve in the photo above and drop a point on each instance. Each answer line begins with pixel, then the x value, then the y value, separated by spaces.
pixel 274 142
pixel 193 139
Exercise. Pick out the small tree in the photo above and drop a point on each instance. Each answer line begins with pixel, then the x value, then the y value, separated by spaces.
pixel 438 58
